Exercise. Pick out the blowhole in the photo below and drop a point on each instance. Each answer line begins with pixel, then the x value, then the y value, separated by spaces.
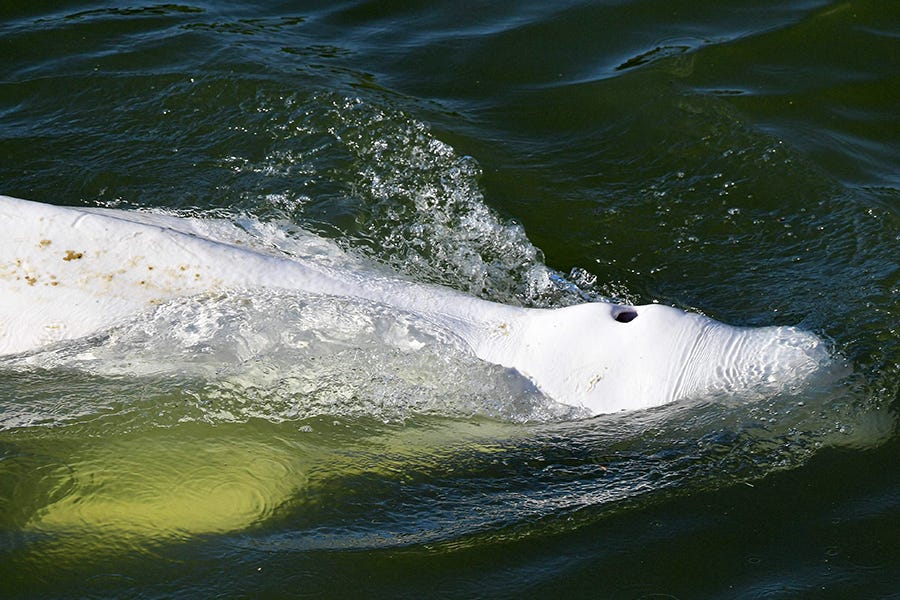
pixel 625 314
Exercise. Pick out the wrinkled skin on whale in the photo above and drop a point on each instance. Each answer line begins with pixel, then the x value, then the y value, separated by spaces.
pixel 66 273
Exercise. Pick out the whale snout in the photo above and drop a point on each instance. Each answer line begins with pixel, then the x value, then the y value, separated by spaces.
pixel 752 362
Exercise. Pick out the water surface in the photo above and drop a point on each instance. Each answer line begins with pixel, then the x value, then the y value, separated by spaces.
pixel 731 158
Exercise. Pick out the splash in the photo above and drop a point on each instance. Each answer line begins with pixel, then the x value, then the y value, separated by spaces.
pixel 398 195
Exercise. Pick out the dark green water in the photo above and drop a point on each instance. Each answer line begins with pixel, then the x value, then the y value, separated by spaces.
pixel 736 158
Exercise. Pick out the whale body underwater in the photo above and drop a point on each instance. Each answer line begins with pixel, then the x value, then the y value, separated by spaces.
pixel 67 273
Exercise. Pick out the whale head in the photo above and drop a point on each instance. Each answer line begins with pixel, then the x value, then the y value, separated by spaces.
pixel 607 358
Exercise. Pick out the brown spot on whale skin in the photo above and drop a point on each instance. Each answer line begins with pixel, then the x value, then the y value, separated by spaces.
pixel 31 279
pixel 44 243
pixel 72 255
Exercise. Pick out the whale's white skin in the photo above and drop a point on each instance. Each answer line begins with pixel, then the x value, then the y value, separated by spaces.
pixel 66 273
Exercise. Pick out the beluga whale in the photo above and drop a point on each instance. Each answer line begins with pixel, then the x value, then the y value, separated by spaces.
pixel 67 273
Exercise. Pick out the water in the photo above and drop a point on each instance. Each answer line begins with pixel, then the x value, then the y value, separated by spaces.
pixel 736 160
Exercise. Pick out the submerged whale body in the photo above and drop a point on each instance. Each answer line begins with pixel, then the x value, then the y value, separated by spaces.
pixel 66 273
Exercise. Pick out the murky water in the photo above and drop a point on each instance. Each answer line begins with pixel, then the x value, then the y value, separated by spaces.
pixel 735 160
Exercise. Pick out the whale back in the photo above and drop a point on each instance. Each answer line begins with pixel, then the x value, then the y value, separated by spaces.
pixel 67 272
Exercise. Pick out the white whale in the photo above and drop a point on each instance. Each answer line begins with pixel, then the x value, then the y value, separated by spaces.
pixel 66 273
